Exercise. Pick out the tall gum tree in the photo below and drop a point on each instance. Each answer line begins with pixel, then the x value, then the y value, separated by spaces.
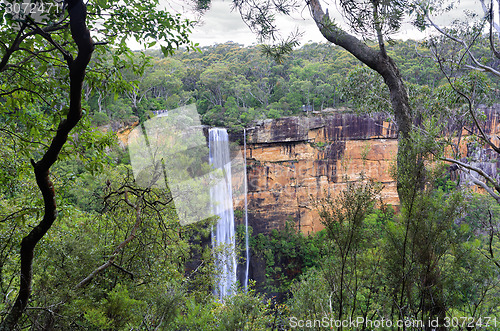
pixel 43 60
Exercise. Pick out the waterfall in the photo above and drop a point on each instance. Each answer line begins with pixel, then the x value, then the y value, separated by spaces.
pixel 247 266
pixel 223 237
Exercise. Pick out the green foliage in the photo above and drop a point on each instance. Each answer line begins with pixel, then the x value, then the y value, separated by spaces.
pixel 318 292
pixel 279 51
pixel 242 311
pixel 366 91
pixel 350 253
pixel 245 311
pixel 310 296
pixel 116 312
pixel 100 119
pixel 286 254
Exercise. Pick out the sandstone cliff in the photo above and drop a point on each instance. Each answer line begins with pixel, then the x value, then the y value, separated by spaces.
pixel 292 162
pixel 295 161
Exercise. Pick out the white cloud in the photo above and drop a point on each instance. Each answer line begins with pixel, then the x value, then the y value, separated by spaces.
pixel 221 24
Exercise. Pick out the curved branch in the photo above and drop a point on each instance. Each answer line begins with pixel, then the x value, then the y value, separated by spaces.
pixel 478 171
pixel 479 65
pixel 486 188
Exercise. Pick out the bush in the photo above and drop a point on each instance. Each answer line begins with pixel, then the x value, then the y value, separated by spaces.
pixel 100 119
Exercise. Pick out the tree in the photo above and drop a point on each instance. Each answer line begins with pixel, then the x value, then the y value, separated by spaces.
pixel 35 53
pixel 423 236
pixel 456 50
pixel 343 218
pixel 215 79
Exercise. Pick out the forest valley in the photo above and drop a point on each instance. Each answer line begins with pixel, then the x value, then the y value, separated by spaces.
pixel 83 247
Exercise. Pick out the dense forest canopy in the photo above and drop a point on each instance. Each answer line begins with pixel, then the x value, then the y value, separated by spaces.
pixel 83 246
pixel 233 85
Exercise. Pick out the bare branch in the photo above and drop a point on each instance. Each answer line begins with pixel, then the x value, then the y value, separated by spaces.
pixel 470 103
pixel 118 248
pixel 479 172
pixel 486 188
pixel 478 64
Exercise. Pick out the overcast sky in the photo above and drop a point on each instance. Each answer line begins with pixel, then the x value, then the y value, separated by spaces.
pixel 220 24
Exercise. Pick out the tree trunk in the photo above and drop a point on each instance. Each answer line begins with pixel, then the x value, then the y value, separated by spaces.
pixel 411 171
pixel 385 66
pixel 77 13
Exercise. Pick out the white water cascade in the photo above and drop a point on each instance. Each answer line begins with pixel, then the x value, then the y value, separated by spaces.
pixel 221 195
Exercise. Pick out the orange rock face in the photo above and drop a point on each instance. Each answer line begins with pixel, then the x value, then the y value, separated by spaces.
pixel 293 162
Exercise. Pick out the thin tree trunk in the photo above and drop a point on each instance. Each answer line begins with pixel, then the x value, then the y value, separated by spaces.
pixel 385 66
pixel 77 13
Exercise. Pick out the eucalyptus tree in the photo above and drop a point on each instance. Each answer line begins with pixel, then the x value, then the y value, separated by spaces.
pixel 464 64
pixel 46 48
